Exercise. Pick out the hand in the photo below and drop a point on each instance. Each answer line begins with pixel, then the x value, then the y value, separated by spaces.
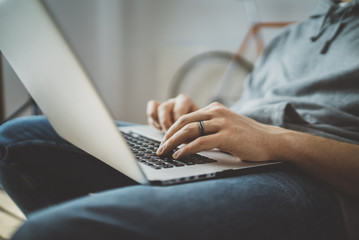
pixel 163 115
pixel 223 129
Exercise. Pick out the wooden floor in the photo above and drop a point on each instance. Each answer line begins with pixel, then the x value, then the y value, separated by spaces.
pixel 10 216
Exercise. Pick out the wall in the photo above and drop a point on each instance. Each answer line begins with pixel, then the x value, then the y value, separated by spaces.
pixel 131 48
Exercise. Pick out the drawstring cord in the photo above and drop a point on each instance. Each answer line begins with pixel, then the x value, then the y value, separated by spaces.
pixel 336 31
pixel 322 26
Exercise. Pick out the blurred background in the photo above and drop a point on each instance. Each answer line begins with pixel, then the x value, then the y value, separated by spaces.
pixel 132 48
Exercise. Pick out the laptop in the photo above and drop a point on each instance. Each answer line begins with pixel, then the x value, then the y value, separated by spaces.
pixel 43 61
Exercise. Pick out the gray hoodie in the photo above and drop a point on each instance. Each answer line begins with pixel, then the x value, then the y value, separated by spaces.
pixel 308 77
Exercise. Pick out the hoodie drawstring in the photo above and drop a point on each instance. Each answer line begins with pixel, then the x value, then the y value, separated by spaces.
pixel 322 26
pixel 339 26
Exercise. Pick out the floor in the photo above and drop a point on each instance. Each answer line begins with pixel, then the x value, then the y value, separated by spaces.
pixel 10 216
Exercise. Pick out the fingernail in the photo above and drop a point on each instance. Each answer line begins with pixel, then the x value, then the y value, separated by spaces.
pixel 160 150
pixel 157 125
pixel 176 154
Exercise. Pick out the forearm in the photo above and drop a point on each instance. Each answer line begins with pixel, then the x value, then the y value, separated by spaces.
pixel 335 163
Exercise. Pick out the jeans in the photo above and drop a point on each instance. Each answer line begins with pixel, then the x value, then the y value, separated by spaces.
pixel 68 194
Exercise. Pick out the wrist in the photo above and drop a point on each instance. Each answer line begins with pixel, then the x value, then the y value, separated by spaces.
pixel 285 145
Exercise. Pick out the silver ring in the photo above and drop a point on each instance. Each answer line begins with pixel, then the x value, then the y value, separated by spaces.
pixel 201 128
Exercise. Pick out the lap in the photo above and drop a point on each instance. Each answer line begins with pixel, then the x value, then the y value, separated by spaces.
pixel 274 205
pixel 277 204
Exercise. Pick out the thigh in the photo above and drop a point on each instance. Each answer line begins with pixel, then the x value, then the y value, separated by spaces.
pixel 39 169
pixel 270 205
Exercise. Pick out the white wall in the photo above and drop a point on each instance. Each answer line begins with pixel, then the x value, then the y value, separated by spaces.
pixel 131 48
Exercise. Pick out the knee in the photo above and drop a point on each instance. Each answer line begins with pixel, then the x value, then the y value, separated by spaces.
pixel 30 230
pixel 73 220
pixel 20 129
pixel 24 130
pixel 40 227
pixel 55 223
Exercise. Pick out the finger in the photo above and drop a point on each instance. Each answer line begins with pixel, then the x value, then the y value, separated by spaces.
pixel 151 112
pixel 206 113
pixel 203 143
pixel 179 109
pixel 183 105
pixel 187 134
pixel 199 115
pixel 154 124
pixel 164 113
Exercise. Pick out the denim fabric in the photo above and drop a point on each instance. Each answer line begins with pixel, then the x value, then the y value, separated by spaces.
pixel 51 180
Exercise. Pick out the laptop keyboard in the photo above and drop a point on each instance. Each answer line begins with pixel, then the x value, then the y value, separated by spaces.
pixel 145 151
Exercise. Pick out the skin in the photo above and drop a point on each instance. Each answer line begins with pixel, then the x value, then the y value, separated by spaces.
pixel 333 162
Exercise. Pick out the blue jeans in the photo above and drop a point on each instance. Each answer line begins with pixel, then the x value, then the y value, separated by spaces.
pixel 51 181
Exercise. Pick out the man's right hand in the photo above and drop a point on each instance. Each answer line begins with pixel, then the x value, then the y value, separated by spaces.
pixel 163 115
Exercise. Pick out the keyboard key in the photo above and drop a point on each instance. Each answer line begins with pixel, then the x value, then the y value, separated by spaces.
pixel 145 151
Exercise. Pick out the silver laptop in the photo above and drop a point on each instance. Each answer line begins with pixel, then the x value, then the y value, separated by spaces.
pixel 43 61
